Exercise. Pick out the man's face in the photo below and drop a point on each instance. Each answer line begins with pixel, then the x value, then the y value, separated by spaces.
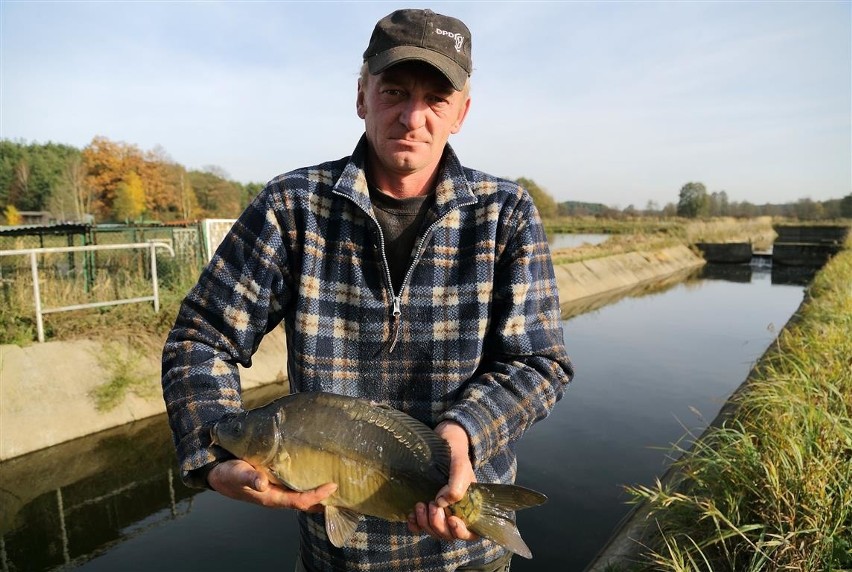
pixel 409 112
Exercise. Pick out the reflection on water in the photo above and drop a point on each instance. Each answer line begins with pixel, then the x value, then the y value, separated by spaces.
pixel 777 273
pixel 645 364
pixel 65 505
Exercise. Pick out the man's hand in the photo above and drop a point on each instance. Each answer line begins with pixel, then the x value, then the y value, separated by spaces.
pixel 239 480
pixel 434 519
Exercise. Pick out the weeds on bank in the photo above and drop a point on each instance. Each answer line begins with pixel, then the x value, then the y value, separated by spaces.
pixel 771 488
pixel 597 225
pixel 125 366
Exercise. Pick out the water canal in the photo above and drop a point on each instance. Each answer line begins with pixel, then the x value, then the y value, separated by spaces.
pixel 573 240
pixel 649 368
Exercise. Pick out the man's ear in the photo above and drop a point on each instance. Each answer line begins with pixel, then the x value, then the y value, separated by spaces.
pixel 462 114
pixel 359 102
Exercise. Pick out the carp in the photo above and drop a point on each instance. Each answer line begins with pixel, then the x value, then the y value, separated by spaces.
pixel 383 461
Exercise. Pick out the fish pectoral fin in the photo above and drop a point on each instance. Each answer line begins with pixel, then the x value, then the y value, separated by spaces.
pixel 340 524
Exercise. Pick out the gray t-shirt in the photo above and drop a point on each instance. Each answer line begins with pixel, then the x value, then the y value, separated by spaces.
pixel 400 220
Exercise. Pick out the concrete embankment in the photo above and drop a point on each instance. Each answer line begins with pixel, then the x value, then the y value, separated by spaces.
pixel 45 389
pixel 595 277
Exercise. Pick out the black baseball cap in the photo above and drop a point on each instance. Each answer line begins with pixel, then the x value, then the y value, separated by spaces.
pixel 441 41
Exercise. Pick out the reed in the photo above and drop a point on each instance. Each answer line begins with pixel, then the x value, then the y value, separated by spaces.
pixel 769 488
pixel 758 231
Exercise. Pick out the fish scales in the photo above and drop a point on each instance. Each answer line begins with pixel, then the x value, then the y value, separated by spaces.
pixel 383 461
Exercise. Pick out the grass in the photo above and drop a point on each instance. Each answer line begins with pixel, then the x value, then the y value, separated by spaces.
pixel 130 334
pixel 648 234
pixel 129 321
pixel 590 224
pixel 757 231
pixel 125 366
pixel 770 488
pixel 616 244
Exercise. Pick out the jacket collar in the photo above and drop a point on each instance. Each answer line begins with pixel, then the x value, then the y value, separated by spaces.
pixel 452 189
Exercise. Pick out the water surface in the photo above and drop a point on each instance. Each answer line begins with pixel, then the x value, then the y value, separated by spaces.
pixel 571 240
pixel 648 369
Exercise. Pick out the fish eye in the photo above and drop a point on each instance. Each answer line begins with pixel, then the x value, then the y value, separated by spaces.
pixel 238 427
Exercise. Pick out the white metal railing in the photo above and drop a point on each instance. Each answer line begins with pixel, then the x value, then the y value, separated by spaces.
pixel 40 311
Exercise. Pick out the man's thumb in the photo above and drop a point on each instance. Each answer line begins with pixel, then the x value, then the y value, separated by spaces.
pixel 255 480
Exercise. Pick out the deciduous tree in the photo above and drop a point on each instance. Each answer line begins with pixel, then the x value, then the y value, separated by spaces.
pixel 72 198
pixel 12 215
pixel 107 164
pixel 693 201
pixel 546 205
pixel 129 204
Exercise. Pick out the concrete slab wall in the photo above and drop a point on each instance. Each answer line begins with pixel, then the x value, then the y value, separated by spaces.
pixel 599 276
pixel 44 391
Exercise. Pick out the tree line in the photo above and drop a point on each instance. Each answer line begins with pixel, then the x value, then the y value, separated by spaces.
pixel 695 202
pixel 111 181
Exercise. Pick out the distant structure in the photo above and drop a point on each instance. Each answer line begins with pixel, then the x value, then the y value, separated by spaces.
pixel 35 217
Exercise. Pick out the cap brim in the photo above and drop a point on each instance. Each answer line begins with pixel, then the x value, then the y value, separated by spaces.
pixel 453 71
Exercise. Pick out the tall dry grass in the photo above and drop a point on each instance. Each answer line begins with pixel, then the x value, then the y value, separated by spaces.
pixel 62 285
pixel 757 231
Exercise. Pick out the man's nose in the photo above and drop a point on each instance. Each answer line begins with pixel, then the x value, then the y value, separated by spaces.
pixel 413 114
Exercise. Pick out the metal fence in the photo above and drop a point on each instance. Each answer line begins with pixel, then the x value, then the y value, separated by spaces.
pixel 188 242
pixel 33 255
pixel 85 266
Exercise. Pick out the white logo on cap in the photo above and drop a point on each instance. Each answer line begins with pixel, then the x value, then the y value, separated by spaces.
pixel 459 39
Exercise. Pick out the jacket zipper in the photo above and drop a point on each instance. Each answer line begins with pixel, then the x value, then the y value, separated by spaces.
pixel 396 300
pixel 397 311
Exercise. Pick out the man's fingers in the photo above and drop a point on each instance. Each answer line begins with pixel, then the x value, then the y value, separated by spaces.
pixel 239 480
pixel 451 493
pixel 459 529
pixel 256 480
pixel 310 500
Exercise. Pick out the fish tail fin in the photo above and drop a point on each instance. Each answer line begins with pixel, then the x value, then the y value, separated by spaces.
pixel 487 510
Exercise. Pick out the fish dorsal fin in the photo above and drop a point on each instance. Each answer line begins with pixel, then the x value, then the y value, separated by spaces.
pixel 340 524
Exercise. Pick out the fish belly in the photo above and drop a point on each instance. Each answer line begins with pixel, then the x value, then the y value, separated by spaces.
pixel 363 487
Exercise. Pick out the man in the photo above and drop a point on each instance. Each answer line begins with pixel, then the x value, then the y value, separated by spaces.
pixel 401 277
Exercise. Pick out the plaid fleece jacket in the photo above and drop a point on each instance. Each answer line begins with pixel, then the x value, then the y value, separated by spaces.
pixel 473 334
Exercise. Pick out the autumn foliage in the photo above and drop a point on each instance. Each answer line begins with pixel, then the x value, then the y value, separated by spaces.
pixel 114 181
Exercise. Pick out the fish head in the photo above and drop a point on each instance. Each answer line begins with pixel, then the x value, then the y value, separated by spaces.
pixel 246 436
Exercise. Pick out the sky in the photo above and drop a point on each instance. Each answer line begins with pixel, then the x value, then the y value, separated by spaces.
pixel 619 103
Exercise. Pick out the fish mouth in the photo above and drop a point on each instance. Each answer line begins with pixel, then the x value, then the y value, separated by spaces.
pixel 214 435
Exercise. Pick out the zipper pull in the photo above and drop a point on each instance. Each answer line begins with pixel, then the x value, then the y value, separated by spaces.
pixel 396 321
